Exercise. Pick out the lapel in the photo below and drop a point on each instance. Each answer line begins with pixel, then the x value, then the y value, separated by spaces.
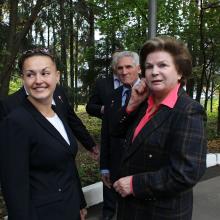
pixel 21 93
pixel 46 125
pixel 118 97
pixel 72 139
pixel 59 100
pixel 160 118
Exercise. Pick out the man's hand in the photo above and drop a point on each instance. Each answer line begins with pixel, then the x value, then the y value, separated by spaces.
pixel 102 109
pixel 106 180
pixel 139 93
pixel 95 152
pixel 123 186
pixel 83 214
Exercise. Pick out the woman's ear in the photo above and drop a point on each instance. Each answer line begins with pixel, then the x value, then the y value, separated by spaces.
pixel 58 76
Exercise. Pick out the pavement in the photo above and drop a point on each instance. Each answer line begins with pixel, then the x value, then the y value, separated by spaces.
pixel 206 198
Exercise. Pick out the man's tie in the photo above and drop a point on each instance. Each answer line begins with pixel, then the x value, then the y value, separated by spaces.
pixel 126 96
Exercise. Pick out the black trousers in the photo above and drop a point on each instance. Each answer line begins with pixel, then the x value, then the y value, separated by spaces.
pixel 109 202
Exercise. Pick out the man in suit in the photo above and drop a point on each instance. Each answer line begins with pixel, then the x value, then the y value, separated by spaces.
pixel 103 88
pixel 95 107
pixel 127 68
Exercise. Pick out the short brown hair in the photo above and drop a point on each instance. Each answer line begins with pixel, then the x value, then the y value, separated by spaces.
pixel 177 49
pixel 34 52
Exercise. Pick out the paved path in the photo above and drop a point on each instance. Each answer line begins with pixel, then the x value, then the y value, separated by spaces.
pixel 206 198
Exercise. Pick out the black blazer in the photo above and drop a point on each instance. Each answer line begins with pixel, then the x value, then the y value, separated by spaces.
pixel 38 173
pixel 103 88
pixel 111 146
pixel 166 159
pixel 62 106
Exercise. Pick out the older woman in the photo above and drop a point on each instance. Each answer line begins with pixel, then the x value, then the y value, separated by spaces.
pixel 165 147
pixel 39 178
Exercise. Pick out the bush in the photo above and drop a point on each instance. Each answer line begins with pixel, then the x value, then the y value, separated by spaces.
pixel 88 168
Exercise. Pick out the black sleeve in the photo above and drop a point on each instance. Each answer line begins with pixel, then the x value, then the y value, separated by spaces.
pixel 95 102
pixel 105 140
pixel 14 169
pixel 3 111
pixel 76 125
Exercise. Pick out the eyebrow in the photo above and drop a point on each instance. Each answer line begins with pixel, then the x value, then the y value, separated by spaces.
pixel 161 61
pixel 34 71
pixel 128 65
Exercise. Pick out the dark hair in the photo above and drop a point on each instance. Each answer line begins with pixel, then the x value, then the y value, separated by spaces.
pixel 179 52
pixel 34 52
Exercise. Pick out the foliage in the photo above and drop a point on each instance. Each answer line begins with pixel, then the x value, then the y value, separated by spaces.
pixel 15 84
pixel 87 167
pixel 211 120
pixel 93 124
pixel 122 25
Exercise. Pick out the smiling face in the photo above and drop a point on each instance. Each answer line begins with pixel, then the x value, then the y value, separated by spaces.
pixel 127 71
pixel 161 73
pixel 40 77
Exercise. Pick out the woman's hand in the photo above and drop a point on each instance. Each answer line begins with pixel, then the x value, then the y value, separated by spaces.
pixel 83 214
pixel 123 186
pixel 95 153
pixel 138 94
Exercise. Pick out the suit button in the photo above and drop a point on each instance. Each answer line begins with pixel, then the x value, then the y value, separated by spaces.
pixel 59 190
pixel 150 155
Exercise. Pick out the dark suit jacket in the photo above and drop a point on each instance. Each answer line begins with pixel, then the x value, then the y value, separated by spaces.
pixel 62 105
pixel 38 172
pixel 166 159
pixel 111 146
pixel 103 88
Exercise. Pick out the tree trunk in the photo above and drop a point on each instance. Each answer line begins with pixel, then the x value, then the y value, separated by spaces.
pixel 76 63
pixel 71 45
pixel 107 56
pixel 91 45
pixel 14 45
pixel 48 28
pixel 212 93
pixel 63 45
pixel 203 56
pixel 13 4
pixel 218 124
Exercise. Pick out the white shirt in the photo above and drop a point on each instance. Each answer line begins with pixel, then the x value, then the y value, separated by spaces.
pixel 58 124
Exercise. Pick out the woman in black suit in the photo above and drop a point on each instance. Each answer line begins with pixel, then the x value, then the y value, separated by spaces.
pixel 165 147
pixel 39 178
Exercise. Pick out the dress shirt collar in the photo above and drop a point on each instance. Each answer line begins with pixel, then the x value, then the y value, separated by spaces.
pixel 117 82
pixel 170 99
